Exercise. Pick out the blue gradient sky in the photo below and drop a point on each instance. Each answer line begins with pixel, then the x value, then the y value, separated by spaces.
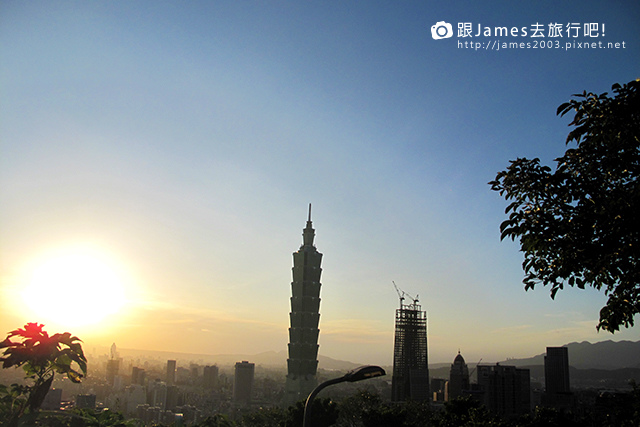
pixel 184 141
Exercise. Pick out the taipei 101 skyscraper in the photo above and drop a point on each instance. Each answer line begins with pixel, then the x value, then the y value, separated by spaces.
pixel 302 363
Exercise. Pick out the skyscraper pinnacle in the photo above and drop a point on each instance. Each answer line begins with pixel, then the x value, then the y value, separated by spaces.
pixel 302 363
pixel 308 233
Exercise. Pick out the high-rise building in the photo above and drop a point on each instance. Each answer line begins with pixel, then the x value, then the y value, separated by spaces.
pixel 556 377
pixel 302 363
pixel 506 389
pixel 52 400
pixel 183 375
pixel 173 396
pixel 243 382
pixel 438 387
pixel 458 378
pixel 410 359
pixel 210 379
pixel 158 394
pixel 171 372
pixel 113 365
pixel 194 373
pixel 556 370
pixel 138 375
pixel 86 401
pixel 133 396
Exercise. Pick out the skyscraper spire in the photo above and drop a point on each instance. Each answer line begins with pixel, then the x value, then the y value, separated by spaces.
pixel 302 363
pixel 308 233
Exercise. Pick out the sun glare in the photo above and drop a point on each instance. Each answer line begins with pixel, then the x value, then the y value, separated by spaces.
pixel 74 289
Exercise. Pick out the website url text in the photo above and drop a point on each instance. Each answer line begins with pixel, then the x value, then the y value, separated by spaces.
pixel 538 44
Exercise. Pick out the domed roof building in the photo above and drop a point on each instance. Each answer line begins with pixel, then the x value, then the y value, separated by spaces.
pixel 459 360
pixel 458 378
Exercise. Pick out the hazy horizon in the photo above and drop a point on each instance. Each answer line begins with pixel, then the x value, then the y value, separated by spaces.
pixel 232 358
pixel 158 159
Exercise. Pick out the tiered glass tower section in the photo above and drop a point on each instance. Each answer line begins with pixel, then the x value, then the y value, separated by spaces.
pixel 302 363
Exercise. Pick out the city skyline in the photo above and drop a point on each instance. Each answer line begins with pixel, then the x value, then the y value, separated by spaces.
pixel 157 159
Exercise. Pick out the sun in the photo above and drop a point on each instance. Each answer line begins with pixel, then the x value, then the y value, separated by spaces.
pixel 75 288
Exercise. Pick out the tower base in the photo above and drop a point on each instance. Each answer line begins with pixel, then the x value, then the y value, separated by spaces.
pixel 298 388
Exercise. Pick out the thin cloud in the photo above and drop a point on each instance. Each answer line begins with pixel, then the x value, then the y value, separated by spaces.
pixel 355 331
pixel 511 329
pixel 168 313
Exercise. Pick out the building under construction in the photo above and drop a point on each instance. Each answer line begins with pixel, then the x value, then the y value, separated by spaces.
pixel 410 360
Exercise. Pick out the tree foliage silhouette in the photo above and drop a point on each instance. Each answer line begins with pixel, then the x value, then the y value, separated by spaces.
pixel 41 356
pixel 579 226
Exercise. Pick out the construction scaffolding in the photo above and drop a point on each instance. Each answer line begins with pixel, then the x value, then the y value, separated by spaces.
pixel 410 358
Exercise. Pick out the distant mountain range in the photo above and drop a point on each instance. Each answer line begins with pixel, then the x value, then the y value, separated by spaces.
pixel 603 365
pixel 606 355
pixel 271 359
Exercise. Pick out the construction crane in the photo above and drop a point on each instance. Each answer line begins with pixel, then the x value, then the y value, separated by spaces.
pixel 474 369
pixel 402 294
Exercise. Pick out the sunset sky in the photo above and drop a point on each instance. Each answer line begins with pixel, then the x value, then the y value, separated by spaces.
pixel 157 159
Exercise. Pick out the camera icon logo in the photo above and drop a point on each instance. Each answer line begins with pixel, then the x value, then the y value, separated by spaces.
pixel 442 30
